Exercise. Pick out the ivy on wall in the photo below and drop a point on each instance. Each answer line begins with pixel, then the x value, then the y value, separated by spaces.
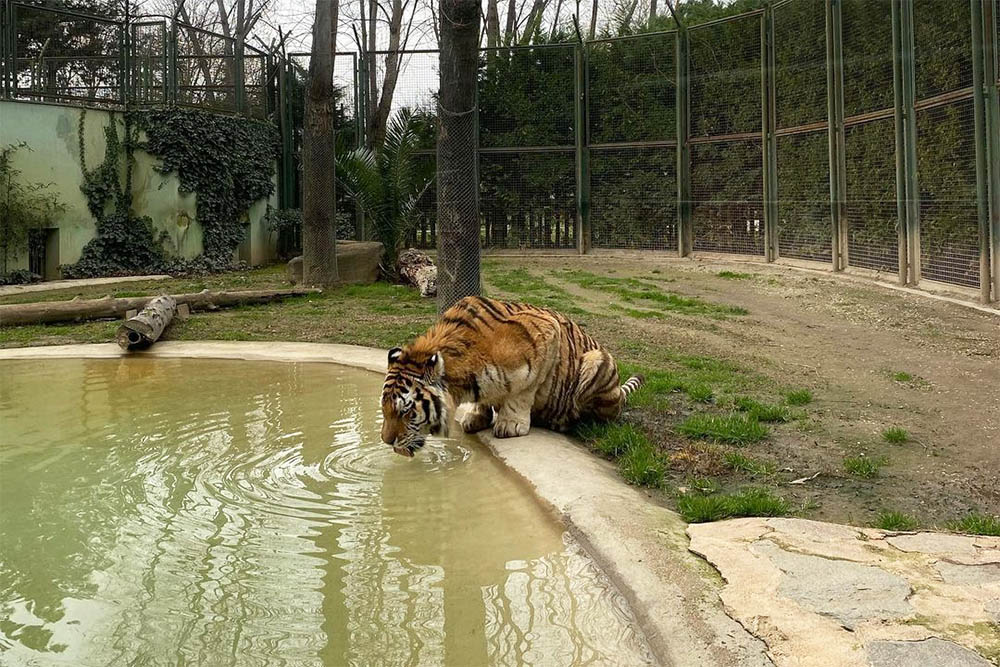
pixel 227 161
pixel 125 243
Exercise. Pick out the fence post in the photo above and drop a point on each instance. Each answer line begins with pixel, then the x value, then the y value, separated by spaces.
pixel 835 127
pixel 6 49
pixel 982 179
pixel 284 120
pixel 907 193
pixel 769 141
pixel 583 230
pixel 239 70
pixel 171 96
pixel 900 128
pixel 685 229
pixel 991 84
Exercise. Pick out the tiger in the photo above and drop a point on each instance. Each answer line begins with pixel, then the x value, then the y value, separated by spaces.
pixel 515 363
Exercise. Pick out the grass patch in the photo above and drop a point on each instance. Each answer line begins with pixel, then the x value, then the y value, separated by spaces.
pixel 892 520
pixel 764 412
pixel 864 466
pixel 642 466
pixel 752 501
pixel 734 275
pixel 525 286
pixel 701 393
pixel 976 523
pixel 799 397
pixel 631 290
pixel 734 429
pixel 901 376
pixel 895 435
pixel 705 485
pixel 747 464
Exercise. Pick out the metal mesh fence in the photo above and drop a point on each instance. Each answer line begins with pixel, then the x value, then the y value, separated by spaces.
pixel 633 198
pixel 946 165
pixel 943 39
pixel 871 195
pixel 205 71
pixel 805 229
pixel 804 224
pixel 725 77
pixel 65 57
pixel 632 85
pixel 526 137
pixel 632 122
pixel 149 62
pixel 727 196
pixel 867 40
pixel 527 199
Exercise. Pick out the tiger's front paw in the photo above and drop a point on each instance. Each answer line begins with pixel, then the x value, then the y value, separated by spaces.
pixel 477 419
pixel 510 428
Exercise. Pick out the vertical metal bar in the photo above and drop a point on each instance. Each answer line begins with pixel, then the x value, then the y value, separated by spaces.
pixel 4 55
pixel 991 82
pixel 768 138
pixel 685 231
pixel 900 122
pixel 836 137
pixel 172 83
pixel 583 230
pixel 910 137
pixel 239 70
pixel 361 230
pixel 362 90
pixel 982 178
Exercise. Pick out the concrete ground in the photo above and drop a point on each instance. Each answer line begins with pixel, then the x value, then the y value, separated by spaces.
pixel 791 592
pixel 49 285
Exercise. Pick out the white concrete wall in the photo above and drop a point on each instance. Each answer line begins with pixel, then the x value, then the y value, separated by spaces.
pixel 51 133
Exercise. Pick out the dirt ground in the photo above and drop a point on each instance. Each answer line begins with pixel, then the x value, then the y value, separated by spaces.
pixel 873 357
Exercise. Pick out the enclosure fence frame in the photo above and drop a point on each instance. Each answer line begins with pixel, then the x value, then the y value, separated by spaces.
pixel 581 115
pixel 769 143
pixel 991 107
pixel 837 142
pixel 682 100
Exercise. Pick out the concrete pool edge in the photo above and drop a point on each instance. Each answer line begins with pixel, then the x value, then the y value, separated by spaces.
pixel 640 545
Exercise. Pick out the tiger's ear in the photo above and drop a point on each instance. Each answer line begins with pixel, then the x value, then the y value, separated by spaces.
pixel 394 354
pixel 435 365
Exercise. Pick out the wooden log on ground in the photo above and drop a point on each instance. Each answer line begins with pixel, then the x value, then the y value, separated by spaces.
pixel 147 325
pixel 43 312
pixel 417 268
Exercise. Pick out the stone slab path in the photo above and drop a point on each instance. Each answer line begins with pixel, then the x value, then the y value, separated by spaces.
pixel 49 285
pixel 825 594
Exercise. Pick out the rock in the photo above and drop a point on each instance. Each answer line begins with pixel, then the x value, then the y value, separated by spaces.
pixel 357 263
pixel 846 591
pixel 931 651
pixel 418 269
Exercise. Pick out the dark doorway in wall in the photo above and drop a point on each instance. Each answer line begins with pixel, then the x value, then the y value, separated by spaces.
pixel 43 252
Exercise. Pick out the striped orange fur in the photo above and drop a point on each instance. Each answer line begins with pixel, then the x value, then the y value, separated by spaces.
pixel 516 363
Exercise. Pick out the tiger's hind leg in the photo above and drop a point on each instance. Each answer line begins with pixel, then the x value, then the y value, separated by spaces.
pixel 598 393
pixel 478 418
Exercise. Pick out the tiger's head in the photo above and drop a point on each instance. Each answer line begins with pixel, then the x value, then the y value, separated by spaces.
pixel 415 400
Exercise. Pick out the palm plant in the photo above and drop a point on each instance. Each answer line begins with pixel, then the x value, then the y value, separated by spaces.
pixel 387 184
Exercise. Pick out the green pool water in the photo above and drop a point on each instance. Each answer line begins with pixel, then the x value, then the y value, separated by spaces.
pixel 200 512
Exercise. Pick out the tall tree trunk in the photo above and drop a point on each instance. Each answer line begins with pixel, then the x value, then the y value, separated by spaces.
pixel 509 35
pixel 393 60
pixel 457 175
pixel 492 24
pixel 555 21
pixel 319 243
pixel 593 21
pixel 533 22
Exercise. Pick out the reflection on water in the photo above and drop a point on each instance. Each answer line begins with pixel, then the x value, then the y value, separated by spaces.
pixel 159 512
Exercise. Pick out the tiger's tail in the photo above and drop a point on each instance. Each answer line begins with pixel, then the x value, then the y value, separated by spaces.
pixel 631 385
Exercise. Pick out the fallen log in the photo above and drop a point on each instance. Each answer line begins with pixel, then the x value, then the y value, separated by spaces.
pixel 417 268
pixel 43 312
pixel 145 327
